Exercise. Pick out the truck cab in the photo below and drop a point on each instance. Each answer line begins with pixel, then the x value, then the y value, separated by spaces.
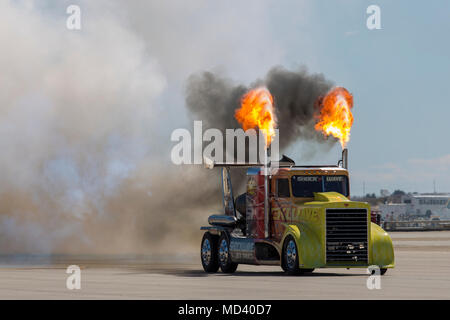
pixel 298 217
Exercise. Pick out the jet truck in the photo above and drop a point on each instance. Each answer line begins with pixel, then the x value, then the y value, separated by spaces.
pixel 298 217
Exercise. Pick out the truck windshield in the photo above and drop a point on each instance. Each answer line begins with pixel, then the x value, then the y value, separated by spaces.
pixel 305 186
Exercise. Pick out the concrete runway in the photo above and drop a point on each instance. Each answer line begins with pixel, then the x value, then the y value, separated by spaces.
pixel 422 272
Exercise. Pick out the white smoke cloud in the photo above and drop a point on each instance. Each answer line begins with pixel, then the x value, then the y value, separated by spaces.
pixel 85 115
pixel 74 112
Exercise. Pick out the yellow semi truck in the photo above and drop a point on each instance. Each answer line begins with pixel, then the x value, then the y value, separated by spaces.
pixel 298 217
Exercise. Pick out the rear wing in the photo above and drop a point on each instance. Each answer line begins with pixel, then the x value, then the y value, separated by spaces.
pixel 211 164
pixel 285 162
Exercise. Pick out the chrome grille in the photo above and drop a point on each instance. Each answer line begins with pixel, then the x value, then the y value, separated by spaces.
pixel 346 236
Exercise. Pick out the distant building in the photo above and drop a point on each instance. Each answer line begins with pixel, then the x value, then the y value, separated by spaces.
pixel 413 206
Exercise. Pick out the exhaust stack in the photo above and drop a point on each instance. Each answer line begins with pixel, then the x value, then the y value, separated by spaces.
pixel 266 195
pixel 345 158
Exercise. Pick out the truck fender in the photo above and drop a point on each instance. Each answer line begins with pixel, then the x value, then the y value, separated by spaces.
pixel 294 231
pixel 310 247
pixel 382 247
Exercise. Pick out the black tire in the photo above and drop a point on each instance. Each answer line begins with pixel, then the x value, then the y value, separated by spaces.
pixel 290 256
pixel 208 253
pixel 382 271
pixel 224 256
pixel 300 270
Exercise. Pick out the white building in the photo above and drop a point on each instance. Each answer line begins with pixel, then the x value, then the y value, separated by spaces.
pixel 425 206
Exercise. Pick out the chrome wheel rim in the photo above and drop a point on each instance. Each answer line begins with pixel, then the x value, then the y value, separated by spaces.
pixel 223 252
pixel 291 254
pixel 206 252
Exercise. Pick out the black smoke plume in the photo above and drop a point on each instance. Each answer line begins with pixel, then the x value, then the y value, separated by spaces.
pixel 213 99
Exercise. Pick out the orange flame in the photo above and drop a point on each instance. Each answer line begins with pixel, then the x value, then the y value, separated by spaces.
pixel 335 116
pixel 257 111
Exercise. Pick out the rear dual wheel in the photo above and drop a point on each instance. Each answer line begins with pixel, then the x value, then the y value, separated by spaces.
pixel 225 262
pixel 208 253
pixel 215 253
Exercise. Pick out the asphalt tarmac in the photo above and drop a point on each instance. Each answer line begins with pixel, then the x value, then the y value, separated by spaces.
pixel 422 272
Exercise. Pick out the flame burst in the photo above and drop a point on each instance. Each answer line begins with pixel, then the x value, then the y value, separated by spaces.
pixel 257 111
pixel 335 116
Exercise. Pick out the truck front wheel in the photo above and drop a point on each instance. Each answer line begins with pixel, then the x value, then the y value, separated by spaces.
pixel 290 256
pixel 208 253
pixel 225 262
